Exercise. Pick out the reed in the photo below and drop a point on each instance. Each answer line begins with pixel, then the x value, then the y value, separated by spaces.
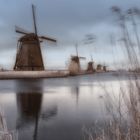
pixel 124 123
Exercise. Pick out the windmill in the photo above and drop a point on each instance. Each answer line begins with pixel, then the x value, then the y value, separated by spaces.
pixel 29 56
pixel 105 68
pixel 90 67
pixel 74 66
pixel 99 68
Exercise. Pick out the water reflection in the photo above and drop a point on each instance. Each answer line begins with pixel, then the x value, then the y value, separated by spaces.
pixel 55 108
pixel 29 106
pixel 75 93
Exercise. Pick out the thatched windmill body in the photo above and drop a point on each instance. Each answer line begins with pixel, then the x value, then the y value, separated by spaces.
pixel 90 67
pixel 29 56
pixel 74 66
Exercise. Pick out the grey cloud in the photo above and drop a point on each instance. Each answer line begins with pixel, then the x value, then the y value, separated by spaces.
pixel 66 20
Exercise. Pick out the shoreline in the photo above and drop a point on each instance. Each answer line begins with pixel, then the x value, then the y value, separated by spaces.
pixel 10 74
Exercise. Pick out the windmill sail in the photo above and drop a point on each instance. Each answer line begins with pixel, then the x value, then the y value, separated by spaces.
pixel 34 19
pixel 20 30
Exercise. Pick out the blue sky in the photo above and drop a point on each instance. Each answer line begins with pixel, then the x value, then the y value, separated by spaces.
pixel 66 20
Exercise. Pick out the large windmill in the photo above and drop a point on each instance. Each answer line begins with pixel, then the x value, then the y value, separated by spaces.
pixel 29 56
pixel 74 66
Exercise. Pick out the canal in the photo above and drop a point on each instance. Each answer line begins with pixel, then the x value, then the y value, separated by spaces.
pixel 57 109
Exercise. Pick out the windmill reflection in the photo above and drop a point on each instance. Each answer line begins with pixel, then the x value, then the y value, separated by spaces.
pixel 75 93
pixel 29 102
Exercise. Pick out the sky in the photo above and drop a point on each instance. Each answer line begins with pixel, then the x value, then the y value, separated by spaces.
pixel 69 21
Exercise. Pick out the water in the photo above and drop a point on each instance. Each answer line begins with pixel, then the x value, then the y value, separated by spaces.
pixel 55 109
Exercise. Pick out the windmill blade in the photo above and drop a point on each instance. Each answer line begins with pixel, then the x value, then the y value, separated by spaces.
pixel 34 19
pixel 49 39
pixel 20 30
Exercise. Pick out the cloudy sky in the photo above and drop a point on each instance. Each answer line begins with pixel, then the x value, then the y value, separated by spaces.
pixel 69 21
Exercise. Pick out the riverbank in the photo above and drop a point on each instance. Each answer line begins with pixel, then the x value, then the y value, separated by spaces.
pixel 38 74
pixel 48 74
pixel 33 74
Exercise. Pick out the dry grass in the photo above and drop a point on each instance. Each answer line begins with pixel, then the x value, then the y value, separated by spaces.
pixel 124 123
pixel 125 117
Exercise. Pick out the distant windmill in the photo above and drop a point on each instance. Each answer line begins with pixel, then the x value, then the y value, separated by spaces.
pixel 99 68
pixel 90 67
pixel 74 66
pixel 29 56
pixel 105 68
